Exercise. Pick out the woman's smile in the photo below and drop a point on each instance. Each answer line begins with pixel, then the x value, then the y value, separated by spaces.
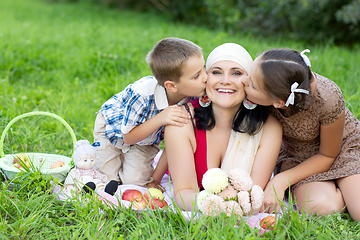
pixel 225 91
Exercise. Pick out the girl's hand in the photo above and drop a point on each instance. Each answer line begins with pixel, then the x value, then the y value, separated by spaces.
pixel 274 191
pixel 155 184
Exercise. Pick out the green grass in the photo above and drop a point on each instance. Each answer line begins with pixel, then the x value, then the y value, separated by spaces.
pixel 70 58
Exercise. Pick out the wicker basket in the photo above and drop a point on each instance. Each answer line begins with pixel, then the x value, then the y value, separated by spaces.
pixel 40 161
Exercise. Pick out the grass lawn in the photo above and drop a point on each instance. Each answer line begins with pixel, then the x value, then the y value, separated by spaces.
pixel 69 58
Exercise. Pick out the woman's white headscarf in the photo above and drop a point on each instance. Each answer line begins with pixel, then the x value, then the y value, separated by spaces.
pixel 230 52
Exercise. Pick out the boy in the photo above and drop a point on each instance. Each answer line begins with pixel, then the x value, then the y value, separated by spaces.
pixel 128 127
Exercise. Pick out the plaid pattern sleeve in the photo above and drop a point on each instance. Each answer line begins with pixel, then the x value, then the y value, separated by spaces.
pixel 126 110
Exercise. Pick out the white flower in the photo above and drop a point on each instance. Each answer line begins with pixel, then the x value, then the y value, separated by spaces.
pixel 213 205
pixel 215 180
pixel 240 179
pixel 232 207
pixel 257 196
pixel 244 201
pixel 200 197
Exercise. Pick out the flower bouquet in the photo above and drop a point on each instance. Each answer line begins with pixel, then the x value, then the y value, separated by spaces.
pixel 232 194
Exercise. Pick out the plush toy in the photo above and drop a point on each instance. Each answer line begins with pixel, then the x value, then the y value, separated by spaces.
pixel 84 177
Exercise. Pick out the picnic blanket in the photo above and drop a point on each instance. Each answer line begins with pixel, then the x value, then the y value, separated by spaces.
pixel 253 221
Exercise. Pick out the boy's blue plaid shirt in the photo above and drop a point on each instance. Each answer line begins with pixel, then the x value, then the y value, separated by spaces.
pixel 134 105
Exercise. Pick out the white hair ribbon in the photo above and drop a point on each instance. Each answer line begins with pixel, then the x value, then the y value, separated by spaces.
pixel 305 58
pixel 294 89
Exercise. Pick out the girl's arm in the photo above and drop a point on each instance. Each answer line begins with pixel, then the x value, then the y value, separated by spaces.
pixel 159 173
pixel 330 144
pixel 180 146
pixel 268 152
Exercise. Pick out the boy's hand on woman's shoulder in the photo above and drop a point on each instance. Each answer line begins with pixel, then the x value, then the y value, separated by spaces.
pixel 174 115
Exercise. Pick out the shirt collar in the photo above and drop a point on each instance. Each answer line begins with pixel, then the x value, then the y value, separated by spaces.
pixel 161 98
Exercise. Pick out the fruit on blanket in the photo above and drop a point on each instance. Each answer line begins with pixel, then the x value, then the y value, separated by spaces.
pixel 157 203
pixel 21 159
pixel 139 203
pixel 57 164
pixel 268 222
pixel 131 194
pixel 135 196
pixel 153 193
pixel 17 165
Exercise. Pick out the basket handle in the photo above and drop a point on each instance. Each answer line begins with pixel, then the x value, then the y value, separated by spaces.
pixel 33 114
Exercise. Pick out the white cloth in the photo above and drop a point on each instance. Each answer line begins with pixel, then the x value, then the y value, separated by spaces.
pixel 241 151
pixel 116 201
pixel 77 177
pixel 230 52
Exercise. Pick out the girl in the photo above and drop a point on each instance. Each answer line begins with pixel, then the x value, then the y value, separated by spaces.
pixel 320 151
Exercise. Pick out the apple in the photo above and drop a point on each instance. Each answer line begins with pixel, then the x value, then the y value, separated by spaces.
pixel 22 159
pixel 57 164
pixel 17 166
pixel 157 203
pixel 139 203
pixel 131 194
pixel 153 193
pixel 268 222
pixel 134 196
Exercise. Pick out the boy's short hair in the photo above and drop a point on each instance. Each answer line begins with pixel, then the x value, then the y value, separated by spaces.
pixel 168 56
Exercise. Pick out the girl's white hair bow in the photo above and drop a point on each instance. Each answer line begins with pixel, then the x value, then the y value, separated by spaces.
pixel 294 89
pixel 305 58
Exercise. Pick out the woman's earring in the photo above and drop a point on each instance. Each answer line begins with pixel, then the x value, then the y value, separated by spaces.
pixel 249 104
pixel 204 101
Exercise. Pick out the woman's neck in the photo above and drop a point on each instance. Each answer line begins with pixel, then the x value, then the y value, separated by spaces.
pixel 224 117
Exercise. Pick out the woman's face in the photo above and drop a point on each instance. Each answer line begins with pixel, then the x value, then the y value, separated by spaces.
pixel 86 161
pixel 224 84
pixel 252 86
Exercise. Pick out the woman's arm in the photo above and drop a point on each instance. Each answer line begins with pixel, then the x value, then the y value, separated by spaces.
pixel 330 144
pixel 180 146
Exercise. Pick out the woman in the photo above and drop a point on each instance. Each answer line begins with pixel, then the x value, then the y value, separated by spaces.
pixel 225 133
pixel 320 153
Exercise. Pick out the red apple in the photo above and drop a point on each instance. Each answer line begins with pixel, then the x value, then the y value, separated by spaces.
pixel 17 166
pixel 268 222
pixel 153 193
pixel 134 196
pixel 157 203
pixel 57 164
pixel 139 203
pixel 131 194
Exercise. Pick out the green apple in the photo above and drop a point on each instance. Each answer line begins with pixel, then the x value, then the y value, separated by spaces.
pixel 153 193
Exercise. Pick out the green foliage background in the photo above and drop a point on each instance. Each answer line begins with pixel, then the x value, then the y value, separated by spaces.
pixel 69 58
pixel 320 21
